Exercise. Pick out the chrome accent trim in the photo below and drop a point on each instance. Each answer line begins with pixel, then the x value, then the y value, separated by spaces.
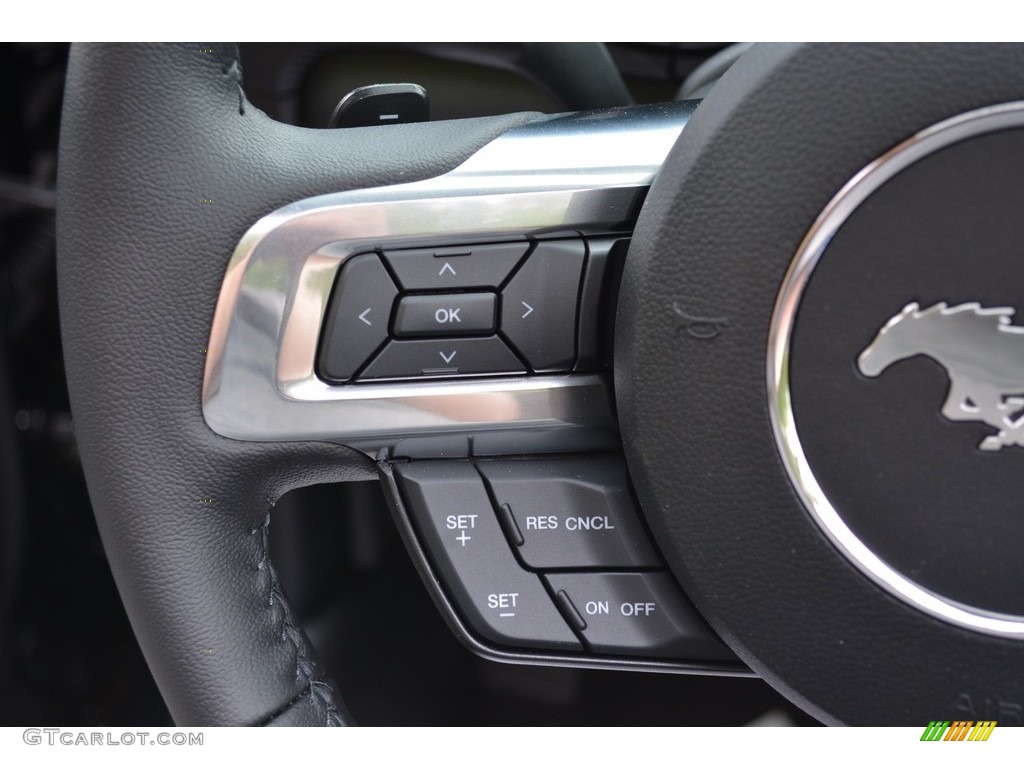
pixel 787 437
pixel 580 173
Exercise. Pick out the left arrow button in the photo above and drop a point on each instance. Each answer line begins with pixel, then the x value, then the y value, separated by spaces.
pixel 356 325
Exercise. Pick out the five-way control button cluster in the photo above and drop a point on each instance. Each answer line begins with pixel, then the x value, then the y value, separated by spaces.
pixel 504 308
pixel 551 553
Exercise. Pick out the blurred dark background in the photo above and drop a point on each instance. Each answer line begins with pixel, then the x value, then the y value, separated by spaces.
pixel 67 652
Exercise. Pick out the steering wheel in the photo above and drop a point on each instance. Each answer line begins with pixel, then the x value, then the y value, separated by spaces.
pixel 848 541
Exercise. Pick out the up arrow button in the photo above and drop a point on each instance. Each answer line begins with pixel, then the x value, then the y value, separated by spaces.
pixel 469 266
pixel 539 305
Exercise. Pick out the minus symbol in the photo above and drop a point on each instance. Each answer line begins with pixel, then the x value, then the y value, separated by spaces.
pixel 389 117
pixel 505 615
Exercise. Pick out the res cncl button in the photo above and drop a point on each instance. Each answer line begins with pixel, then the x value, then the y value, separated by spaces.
pixel 570 513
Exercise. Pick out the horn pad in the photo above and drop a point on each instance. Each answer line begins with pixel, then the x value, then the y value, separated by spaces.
pixel 743 442
pixel 924 462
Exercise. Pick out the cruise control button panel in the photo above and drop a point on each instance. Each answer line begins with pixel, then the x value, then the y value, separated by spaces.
pixel 549 555
pixel 542 306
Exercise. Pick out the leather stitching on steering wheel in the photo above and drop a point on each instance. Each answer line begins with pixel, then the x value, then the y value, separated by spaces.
pixel 317 687
pixel 233 71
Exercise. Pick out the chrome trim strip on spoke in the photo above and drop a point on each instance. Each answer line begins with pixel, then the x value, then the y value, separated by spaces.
pixel 580 173
pixel 787 437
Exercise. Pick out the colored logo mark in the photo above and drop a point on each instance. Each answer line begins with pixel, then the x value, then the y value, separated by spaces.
pixel 958 730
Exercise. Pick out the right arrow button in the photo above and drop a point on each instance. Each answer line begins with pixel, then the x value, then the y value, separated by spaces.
pixel 539 305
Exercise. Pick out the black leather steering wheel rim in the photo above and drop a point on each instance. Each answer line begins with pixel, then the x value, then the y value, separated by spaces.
pixel 163 166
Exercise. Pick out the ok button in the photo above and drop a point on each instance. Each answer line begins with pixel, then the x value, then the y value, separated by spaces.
pixel 446 314
pixel 449 315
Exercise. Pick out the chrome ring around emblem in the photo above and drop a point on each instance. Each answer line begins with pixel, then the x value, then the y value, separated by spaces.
pixel 780 406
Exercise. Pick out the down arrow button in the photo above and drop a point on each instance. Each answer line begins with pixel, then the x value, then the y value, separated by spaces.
pixel 538 312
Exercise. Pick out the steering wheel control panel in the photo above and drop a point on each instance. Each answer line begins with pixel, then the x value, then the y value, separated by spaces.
pixel 469 310
pixel 459 329
pixel 549 554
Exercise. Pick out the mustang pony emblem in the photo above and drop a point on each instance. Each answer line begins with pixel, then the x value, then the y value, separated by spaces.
pixel 983 355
